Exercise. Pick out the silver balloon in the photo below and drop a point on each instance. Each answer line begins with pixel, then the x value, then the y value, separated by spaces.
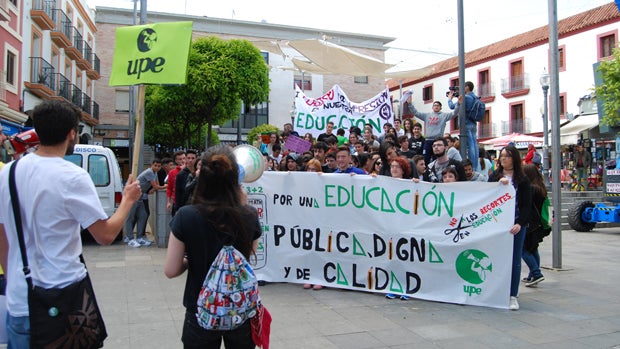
pixel 251 162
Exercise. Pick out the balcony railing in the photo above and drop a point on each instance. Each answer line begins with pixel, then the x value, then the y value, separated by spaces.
pixel 63 27
pixel 486 90
pixel 515 83
pixel 42 13
pixel 78 42
pixel 95 113
pixel 88 53
pixel 485 130
pixel 96 63
pixel 64 87
pixel 41 72
pixel 76 97
pixel 86 106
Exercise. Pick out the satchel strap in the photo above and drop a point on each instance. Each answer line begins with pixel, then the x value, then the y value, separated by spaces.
pixel 18 223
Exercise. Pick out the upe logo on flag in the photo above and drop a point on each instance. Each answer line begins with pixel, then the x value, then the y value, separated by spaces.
pixel 146 39
pixel 151 54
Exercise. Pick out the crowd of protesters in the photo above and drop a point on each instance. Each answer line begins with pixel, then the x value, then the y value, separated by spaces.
pixel 401 151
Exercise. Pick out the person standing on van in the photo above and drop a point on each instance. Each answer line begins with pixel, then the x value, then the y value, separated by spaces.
pixel 179 159
pixel 188 171
pixel 55 210
pixel 140 211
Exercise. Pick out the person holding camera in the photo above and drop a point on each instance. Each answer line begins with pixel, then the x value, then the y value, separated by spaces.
pixel 471 126
pixel 434 122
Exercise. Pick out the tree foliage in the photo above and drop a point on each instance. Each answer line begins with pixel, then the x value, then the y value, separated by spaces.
pixel 221 74
pixel 609 91
pixel 264 128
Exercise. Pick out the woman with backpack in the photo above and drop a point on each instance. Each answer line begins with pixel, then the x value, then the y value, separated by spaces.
pixel 510 171
pixel 216 217
pixel 535 230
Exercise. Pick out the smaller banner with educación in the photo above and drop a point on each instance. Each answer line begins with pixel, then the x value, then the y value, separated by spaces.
pixel 151 54
pixel 313 114
pixel 442 242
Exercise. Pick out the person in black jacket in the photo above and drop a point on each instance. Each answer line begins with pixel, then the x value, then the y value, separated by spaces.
pixel 510 171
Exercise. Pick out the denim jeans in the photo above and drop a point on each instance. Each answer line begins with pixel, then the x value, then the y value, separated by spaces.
pixel 517 252
pixel 533 263
pixel 18 331
pixel 472 145
pixel 195 337
pixel 138 215
pixel 428 150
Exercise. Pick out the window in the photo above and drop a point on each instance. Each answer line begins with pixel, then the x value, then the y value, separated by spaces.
pixel 485 129
pixel 11 68
pixel 98 169
pixel 14 2
pixel 427 94
pixel 516 75
pixel 606 44
pixel 562 105
pixel 360 79
pixel 122 102
pixel 307 82
pixel 562 58
pixel 484 83
pixel 517 118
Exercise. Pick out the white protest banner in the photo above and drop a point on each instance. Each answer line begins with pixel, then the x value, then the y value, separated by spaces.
pixel 443 242
pixel 313 114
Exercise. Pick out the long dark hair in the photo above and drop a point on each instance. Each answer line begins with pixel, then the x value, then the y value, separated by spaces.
pixel 218 198
pixel 517 168
pixel 536 179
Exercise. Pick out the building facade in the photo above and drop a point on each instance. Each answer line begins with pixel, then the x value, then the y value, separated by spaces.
pixel 506 76
pixel 10 66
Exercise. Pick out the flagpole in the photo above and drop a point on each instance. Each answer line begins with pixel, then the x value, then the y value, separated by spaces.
pixel 138 142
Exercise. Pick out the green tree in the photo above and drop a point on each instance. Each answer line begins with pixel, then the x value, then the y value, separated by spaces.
pixel 609 91
pixel 220 75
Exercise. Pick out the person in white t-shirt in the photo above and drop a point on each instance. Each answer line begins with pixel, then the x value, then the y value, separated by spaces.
pixel 56 199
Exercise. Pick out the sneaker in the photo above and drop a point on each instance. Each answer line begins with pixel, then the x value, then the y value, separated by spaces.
pixel 126 239
pixel 390 296
pixel 514 304
pixel 133 243
pixel 534 281
pixel 405 298
pixel 144 242
pixel 527 279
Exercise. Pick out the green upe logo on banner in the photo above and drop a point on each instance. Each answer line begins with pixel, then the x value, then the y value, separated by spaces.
pixel 151 54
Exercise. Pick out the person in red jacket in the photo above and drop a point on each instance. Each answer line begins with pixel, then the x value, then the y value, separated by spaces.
pixel 179 159
pixel 530 154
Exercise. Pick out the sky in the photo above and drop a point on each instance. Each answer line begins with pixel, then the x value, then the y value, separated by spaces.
pixel 425 31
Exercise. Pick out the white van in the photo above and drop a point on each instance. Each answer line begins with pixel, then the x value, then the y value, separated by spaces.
pixel 103 168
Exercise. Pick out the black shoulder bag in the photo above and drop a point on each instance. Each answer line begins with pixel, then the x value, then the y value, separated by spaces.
pixel 67 317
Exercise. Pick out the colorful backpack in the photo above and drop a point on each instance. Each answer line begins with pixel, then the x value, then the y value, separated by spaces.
pixel 229 294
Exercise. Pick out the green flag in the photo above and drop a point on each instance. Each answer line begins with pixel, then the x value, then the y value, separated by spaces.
pixel 151 54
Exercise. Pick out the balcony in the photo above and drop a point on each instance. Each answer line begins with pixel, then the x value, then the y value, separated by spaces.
pixel 63 32
pixel 42 80
pixel 63 87
pixel 485 131
pixel 517 85
pixel 86 105
pixel 95 110
pixel 486 92
pixel 4 11
pixel 76 96
pixel 75 52
pixel 94 73
pixel 43 14
pixel 85 63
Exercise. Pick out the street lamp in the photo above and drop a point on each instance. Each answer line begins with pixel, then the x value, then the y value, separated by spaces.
pixel 544 82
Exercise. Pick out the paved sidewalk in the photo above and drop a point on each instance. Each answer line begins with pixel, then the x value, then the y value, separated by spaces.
pixel 578 307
